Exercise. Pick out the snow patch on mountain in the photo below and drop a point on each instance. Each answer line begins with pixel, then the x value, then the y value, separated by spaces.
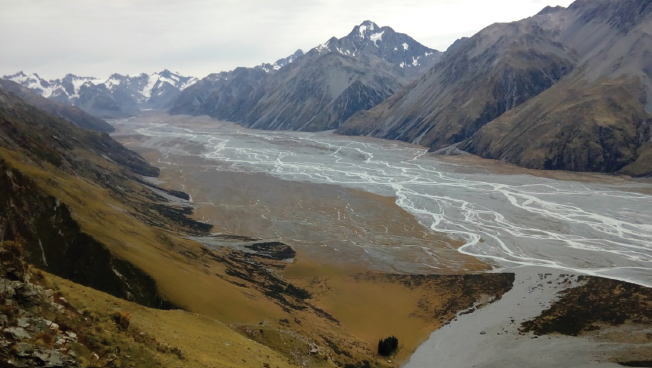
pixel 376 37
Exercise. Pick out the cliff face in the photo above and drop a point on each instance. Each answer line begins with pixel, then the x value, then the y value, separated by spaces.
pixel 485 95
pixel 54 242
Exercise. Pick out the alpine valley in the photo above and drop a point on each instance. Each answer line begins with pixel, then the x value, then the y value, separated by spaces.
pixel 370 202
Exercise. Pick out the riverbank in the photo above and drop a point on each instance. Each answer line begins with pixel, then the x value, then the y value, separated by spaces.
pixel 494 336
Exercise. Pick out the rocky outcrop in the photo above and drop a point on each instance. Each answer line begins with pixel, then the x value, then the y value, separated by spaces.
pixel 53 241
pixel 27 339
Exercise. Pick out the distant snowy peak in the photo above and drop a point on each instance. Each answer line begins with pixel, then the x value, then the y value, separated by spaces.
pixel 267 67
pixel 71 84
pixel 31 81
pixel 156 83
pixel 366 29
pixel 118 95
pixel 396 48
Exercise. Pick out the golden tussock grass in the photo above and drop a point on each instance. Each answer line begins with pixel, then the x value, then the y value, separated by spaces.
pixel 205 342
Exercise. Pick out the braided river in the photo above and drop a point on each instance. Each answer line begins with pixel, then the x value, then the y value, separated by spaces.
pixel 597 225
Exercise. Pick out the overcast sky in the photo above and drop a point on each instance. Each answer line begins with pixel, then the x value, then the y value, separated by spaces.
pixel 197 37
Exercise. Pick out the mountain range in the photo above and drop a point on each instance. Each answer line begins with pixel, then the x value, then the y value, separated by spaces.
pixel 565 89
pixel 317 90
pixel 117 96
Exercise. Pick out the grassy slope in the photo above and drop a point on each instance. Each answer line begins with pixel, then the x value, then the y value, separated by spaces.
pixel 185 281
pixel 376 305
pixel 571 126
pixel 205 341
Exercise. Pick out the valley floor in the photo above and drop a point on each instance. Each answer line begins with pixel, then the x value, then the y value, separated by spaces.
pixel 328 226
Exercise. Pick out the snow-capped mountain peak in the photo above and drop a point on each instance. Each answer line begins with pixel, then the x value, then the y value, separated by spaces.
pixel 396 48
pixel 143 90
pixel 366 29
pixel 32 81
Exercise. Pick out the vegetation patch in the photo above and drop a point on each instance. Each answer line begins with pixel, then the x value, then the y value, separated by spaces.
pixel 273 250
pixel 598 301
pixel 387 346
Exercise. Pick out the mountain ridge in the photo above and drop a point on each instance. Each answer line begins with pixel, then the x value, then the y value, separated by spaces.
pixel 117 96
pixel 317 90
pixel 71 113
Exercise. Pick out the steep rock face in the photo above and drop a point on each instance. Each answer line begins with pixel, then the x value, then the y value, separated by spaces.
pixel 315 91
pixel 55 243
pixel 53 238
pixel 592 61
pixel 73 114
pixel 476 81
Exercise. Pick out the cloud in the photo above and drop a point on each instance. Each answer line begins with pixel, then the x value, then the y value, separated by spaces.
pixel 197 37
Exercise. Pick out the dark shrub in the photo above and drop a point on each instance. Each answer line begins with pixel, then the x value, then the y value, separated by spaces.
pixel 387 346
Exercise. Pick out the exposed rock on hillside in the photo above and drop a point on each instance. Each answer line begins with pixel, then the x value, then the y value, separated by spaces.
pixel 40 154
pixel 27 339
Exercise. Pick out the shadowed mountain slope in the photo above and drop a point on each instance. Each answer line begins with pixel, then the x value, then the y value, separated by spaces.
pixel 73 114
